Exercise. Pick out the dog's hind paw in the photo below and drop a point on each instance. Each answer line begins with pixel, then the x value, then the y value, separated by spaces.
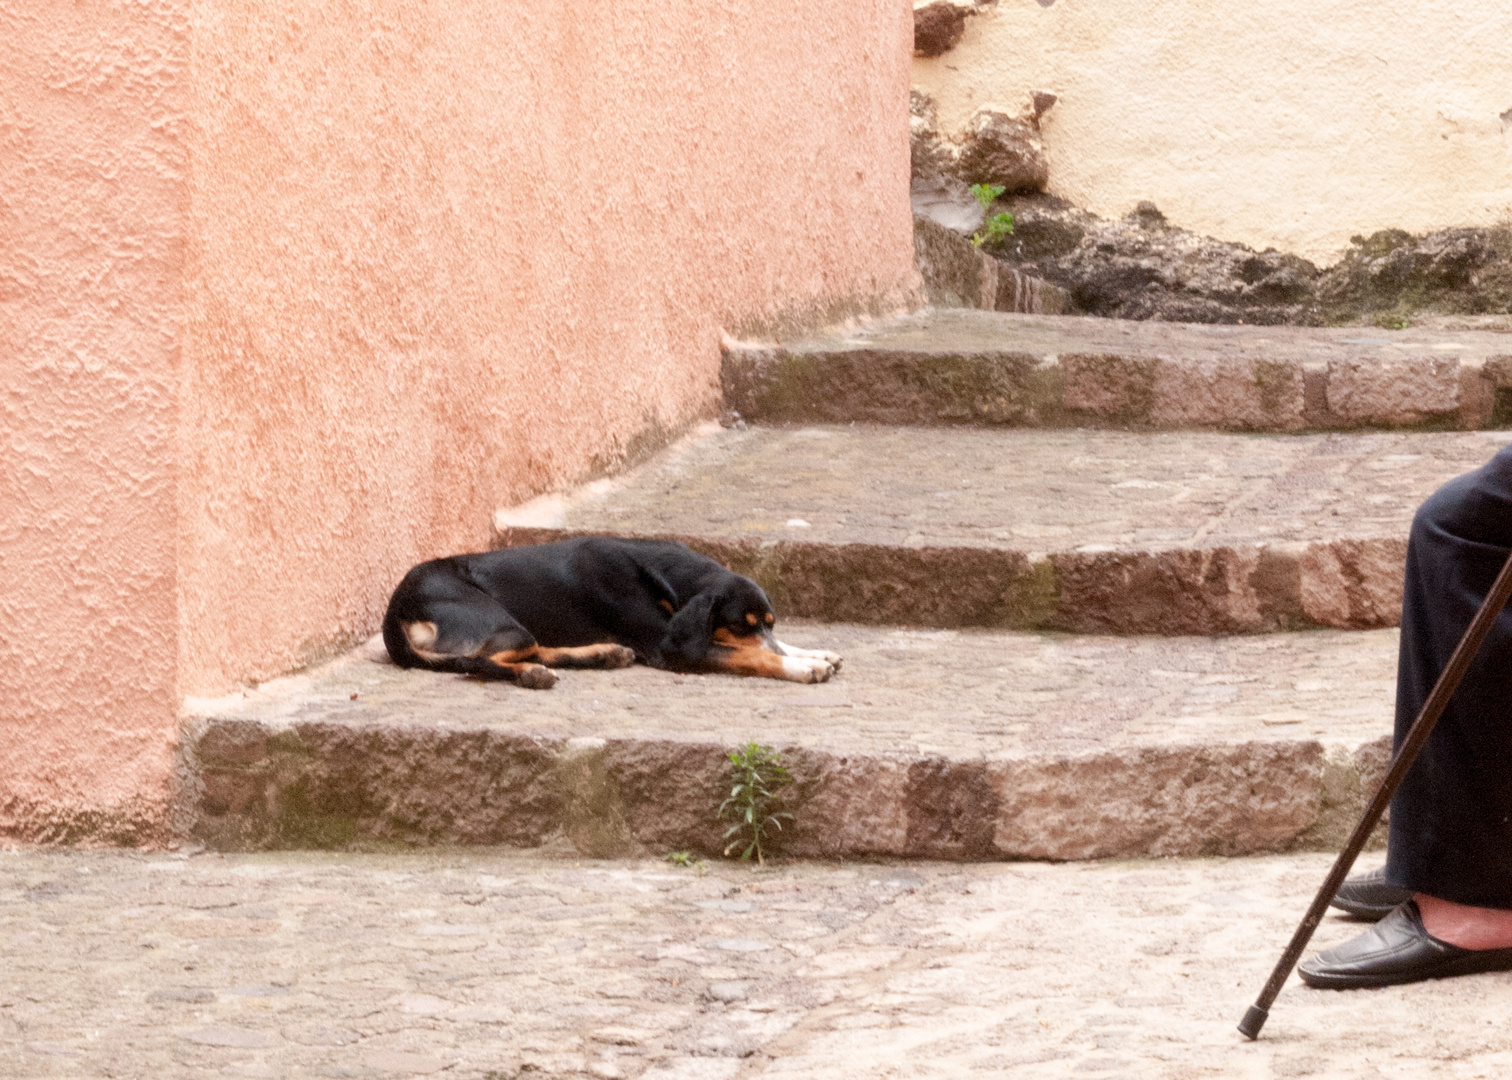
pixel 620 656
pixel 536 677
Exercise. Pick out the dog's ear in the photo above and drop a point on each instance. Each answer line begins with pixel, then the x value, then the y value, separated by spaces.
pixel 658 587
pixel 690 634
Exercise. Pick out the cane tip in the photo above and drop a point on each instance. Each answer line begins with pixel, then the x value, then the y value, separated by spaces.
pixel 1253 1021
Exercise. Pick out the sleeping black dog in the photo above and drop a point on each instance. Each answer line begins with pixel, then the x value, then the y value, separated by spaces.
pixel 592 602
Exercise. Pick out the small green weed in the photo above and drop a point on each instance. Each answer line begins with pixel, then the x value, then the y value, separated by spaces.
pixel 1392 320
pixel 986 194
pixel 686 858
pixel 756 779
pixel 998 225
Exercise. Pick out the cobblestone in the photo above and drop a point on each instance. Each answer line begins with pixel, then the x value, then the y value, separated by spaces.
pixel 487 964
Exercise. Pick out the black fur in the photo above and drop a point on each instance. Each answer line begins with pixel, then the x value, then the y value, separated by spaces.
pixel 656 597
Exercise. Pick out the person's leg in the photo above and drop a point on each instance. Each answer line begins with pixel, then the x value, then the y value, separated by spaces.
pixel 1450 833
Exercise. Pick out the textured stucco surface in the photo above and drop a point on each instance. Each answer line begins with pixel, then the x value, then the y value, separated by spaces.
pixel 446 256
pixel 91 249
pixel 292 295
pixel 1289 124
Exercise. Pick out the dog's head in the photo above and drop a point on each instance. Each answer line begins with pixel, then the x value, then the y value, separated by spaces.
pixel 742 616
pixel 735 614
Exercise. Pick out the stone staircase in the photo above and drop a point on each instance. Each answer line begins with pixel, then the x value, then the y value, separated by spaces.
pixel 1103 590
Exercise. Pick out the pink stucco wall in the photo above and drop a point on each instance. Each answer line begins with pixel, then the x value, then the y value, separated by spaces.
pixel 388 267
pixel 92 193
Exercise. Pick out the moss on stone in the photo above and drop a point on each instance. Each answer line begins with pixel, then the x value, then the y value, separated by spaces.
pixel 1030 602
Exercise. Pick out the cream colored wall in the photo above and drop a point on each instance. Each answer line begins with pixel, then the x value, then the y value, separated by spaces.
pixel 448 255
pixel 91 251
pixel 1289 124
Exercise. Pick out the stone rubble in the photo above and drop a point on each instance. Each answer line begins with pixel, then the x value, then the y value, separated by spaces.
pixel 938 27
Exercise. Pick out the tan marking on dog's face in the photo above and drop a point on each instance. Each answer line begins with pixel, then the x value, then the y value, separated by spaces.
pixel 770 618
pixel 750 618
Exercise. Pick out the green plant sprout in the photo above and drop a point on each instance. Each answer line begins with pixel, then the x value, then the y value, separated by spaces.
pixel 757 776
pixel 997 226
pixel 685 858
pixel 986 194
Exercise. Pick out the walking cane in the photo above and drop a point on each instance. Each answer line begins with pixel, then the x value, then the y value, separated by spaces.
pixel 1417 735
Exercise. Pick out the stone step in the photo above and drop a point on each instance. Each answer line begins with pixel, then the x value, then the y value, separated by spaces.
pixel 980 367
pixel 1081 530
pixel 938 744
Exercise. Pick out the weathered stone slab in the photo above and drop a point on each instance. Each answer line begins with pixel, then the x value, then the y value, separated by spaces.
pixel 1164 801
pixel 1053 371
pixel 1088 531
pixel 1395 391
pixel 888 388
pixel 930 744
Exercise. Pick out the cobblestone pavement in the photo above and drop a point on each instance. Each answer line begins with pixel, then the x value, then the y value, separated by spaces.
pixel 501 964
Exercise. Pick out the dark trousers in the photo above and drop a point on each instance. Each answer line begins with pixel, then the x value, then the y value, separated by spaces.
pixel 1451 820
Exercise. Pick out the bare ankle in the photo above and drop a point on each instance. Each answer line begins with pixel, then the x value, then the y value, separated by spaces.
pixel 1465 926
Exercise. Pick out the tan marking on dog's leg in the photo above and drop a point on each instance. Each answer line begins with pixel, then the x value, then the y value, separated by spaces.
pixel 508 657
pixel 531 676
pixel 606 655
pixel 528 672
pixel 768 665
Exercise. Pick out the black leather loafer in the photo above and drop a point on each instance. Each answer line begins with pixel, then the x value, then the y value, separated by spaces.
pixel 1368 897
pixel 1397 950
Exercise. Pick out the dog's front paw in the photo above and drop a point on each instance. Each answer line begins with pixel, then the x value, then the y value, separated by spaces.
pixel 536 677
pixel 830 658
pixel 806 669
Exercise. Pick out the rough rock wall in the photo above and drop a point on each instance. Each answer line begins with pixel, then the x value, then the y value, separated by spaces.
pixel 92 165
pixel 1143 267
